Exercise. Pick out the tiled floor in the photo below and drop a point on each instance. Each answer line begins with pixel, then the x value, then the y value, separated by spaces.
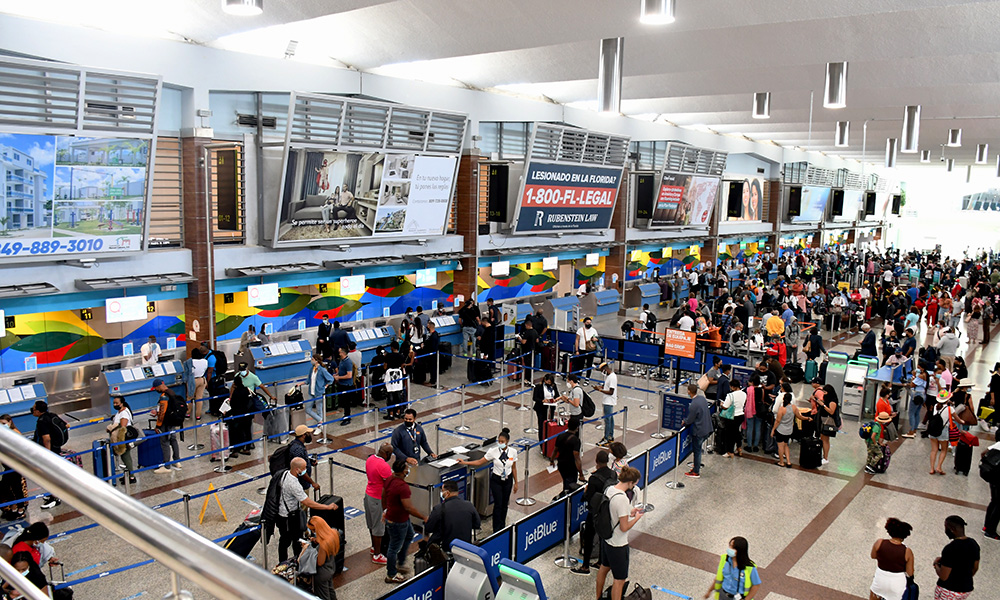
pixel 810 531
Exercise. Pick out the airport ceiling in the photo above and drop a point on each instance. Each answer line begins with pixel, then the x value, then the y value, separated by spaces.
pixel 699 72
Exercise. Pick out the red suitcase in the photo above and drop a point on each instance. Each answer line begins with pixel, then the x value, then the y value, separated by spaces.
pixel 551 428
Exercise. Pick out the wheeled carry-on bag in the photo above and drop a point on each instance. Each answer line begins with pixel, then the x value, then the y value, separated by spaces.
pixel 335 519
pixel 551 428
pixel 243 544
pixel 218 435
pixel 811 453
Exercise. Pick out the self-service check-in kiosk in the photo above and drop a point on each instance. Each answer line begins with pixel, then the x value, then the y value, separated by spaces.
pixel 282 361
pixel 836 371
pixel 17 401
pixel 854 387
pixel 370 339
pixel 518 582
pixel 469 578
pixel 136 385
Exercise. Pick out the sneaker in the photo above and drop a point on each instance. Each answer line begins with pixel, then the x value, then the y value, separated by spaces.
pixel 403 569
pixel 177 467
pixel 371 551
pixel 582 570
pixel 991 536
pixel 51 503
pixel 693 475
pixel 397 579
pixel 823 462
pixel 162 470
pixel 869 470
pixel 345 422
pixel 909 435
pixel 378 559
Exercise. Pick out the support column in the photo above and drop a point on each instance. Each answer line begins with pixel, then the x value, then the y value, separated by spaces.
pixel 618 253
pixel 467 222
pixel 199 306
pixel 774 206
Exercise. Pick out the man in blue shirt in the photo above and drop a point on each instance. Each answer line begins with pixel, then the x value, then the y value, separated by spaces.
pixel 409 438
pixel 786 315
pixel 338 339
pixel 699 420
pixel 345 382
pixel 913 293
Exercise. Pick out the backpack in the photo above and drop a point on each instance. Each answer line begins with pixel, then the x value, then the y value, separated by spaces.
pixel 221 363
pixel 604 525
pixel 989 466
pixel 935 424
pixel 176 411
pixel 58 425
pixel 650 320
pixel 865 431
pixel 393 380
pixel 587 406
pixel 280 459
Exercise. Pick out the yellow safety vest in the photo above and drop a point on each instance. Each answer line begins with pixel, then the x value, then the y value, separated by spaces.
pixel 718 578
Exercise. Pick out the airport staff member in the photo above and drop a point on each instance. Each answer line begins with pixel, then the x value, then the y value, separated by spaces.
pixel 409 438
pixel 503 476
pixel 150 352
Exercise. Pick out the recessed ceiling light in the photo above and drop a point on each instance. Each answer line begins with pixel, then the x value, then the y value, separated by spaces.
pixel 835 92
pixel 243 8
pixel 658 12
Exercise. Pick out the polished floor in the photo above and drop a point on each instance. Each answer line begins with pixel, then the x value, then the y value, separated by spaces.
pixel 809 531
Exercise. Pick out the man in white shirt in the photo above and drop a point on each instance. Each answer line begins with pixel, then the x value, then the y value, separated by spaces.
pixel 150 352
pixel 586 346
pixel 610 401
pixel 686 323
pixel 693 282
pixel 614 550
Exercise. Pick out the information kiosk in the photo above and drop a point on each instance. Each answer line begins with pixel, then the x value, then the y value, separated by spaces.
pixel 469 578
pixel 136 385
pixel 518 582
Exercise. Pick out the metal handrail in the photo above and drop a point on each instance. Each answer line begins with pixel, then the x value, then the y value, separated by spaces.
pixel 20 582
pixel 220 573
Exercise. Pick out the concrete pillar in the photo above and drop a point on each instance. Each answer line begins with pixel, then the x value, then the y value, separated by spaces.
pixel 467 222
pixel 199 306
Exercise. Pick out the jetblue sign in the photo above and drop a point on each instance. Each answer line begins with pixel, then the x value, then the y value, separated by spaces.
pixel 497 546
pixel 577 511
pixel 429 586
pixel 661 460
pixel 639 463
pixel 541 531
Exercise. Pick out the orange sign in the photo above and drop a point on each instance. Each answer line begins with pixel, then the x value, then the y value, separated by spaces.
pixel 679 343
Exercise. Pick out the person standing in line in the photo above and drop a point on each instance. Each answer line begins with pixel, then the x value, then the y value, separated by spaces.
pixel 615 550
pixel 290 501
pixel 118 430
pixel 700 422
pixel 586 346
pixel 733 406
pixel 993 509
pixel 600 480
pixel 610 390
pixel 397 509
pixel 958 563
pixel 12 485
pixel 503 475
pixel 737 575
pixel 544 396
pixel 319 378
pixel 198 383
pixel 50 433
pixel 453 519
pixel 169 412
pixel 894 562
pixel 377 470
pixel 567 456
pixel 345 384
pixel 469 316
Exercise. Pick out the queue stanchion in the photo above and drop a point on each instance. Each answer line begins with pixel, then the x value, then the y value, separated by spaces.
pixel 109 462
pixel 646 405
pixel 329 463
pixel 264 442
pixel 407 378
pixel 437 435
pixel 646 506
pixel 624 425
pixel 223 468
pixel 502 402
pixel 526 500
pixel 532 369
pixel 128 482
pixel 437 367
pixel 675 484
pixel 462 426
pixel 522 407
pixel 187 509
pixel 566 561
pixel 263 542
pixel 659 435
pixel 196 446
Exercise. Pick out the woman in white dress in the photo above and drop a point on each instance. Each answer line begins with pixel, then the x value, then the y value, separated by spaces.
pixel 894 562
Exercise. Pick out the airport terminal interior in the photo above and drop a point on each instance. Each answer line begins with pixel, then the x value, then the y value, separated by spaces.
pixel 348 298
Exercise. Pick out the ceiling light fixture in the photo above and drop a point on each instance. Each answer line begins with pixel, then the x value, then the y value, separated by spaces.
pixel 842 135
pixel 243 8
pixel 949 164
pixel 982 153
pixel 968 174
pixel 998 165
pixel 290 49
pixel 609 76
pixel 658 12
pixel 911 129
pixel 925 156
pixel 891 145
pixel 762 105
pixel 835 92
pixel 954 138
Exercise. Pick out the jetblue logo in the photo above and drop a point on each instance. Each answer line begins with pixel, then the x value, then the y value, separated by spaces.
pixel 540 532
pixel 581 510
pixel 425 596
pixel 495 560
pixel 663 457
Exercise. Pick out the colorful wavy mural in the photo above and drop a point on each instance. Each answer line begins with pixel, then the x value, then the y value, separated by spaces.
pixel 642 264
pixel 523 280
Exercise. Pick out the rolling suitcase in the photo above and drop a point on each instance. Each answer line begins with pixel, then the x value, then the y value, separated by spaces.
pixel 822 372
pixel 811 372
pixel 242 545
pixel 810 453
pixel 883 463
pixel 963 458
pixel 218 435
pixel 551 428
pixel 100 459
pixel 149 452
pixel 335 519
pixel 549 352
pixel 445 351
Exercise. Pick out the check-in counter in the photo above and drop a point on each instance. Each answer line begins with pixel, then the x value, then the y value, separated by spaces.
pixel 17 401
pixel 135 384
pixel 601 303
pixel 434 473
pixel 449 329
pixel 371 338
pixel 282 361
pixel 643 293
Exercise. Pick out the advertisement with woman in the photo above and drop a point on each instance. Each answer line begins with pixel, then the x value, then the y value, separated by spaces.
pixel 752 200
pixel 684 200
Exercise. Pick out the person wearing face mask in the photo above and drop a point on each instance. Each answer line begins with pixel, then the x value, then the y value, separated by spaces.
pixel 338 338
pixel 297 449
pixel 503 476
pixel 323 332
pixel 409 438
pixel 290 501
pixel 118 430
pixel 252 382
pixel 737 575
pixel 12 484
pixel 614 550
pixel 586 347
pixel 319 378
pixel 396 511
pixel 453 519
pixel 21 561
pixel 544 397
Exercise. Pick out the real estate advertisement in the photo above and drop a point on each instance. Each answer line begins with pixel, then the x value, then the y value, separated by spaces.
pixel 337 195
pixel 67 195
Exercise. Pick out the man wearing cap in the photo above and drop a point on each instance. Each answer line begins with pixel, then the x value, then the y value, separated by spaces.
pixel 252 382
pixel 610 390
pixel 150 352
pixel 297 449
pixel 170 411
pixel 958 563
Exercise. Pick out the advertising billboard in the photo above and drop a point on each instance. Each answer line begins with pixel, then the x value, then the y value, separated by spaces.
pixel 684 200
pixel 558 197
pixel 745 199
pixel 64 195
pixel 852 203
pixel 813 204
pixel 329 195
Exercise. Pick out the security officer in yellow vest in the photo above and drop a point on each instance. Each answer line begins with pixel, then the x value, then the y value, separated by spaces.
pixel 737 577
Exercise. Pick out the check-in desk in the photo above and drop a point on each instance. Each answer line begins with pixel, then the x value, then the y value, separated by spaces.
pixel 135 384
pixel 643 293
pixel 17 401
pixel 448 329
pixel 282 361
pixel 434 473
pixel 370 339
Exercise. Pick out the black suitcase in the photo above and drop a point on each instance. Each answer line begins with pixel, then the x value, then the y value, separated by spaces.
pixel 335 519
pixel 963 458
pixel 445 351
pixel 822 373
pixel 810 453
pixel 242 545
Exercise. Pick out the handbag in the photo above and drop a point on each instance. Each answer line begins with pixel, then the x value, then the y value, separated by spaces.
pixel 953 431
pixel 639 593
pixel 703 382
pixel 828 425
pixel 307 560
pixel 729 413
pixel 131 433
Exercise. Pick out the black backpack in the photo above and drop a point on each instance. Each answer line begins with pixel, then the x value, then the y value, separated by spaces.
pixel 604 525
pixel 587 406
pixel 650 320
pixel 59 429
pixel 176 411
pixel 221 363
pixel 989 466
pixel 280 459
pixel 935 424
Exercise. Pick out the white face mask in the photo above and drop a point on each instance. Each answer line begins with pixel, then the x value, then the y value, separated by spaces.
pixel 731 551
